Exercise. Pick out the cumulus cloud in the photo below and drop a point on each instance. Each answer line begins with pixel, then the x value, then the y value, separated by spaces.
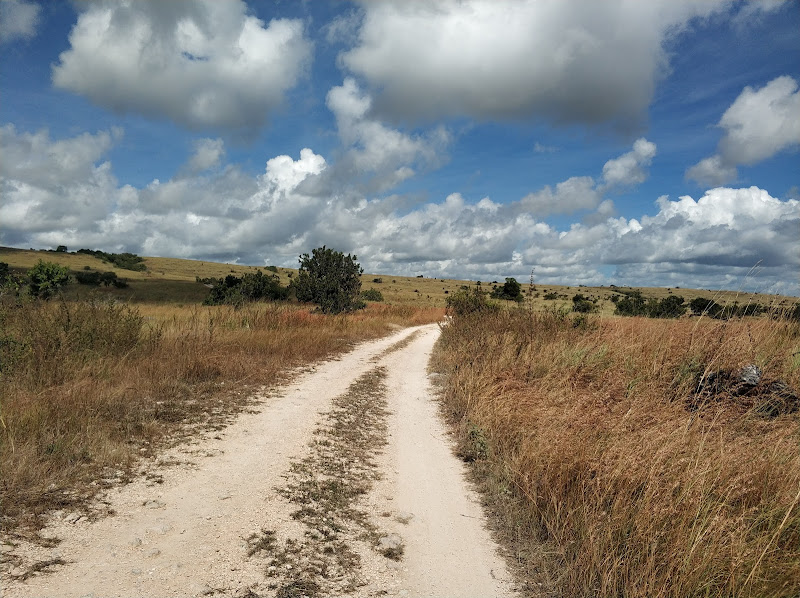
pixel 18 19
pixel 629 169
pixel 51 185
pixel 759 124
pixel 64 192
pixel 374 154
pixel 570 61
pixel 203 65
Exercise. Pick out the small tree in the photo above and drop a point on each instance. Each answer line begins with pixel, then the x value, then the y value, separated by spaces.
pixel 45 279
pixel 510 291
pixel 330 279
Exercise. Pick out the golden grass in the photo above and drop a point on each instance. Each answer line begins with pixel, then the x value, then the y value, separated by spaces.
pixel 90 387
pixel 589 443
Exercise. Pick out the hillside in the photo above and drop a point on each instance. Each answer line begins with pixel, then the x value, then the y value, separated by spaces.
pixel 173 280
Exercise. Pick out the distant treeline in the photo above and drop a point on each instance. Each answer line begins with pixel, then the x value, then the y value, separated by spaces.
pixel 633 303
pixel 126 261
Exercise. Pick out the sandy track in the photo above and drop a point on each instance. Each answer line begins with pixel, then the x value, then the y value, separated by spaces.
pixel 187 536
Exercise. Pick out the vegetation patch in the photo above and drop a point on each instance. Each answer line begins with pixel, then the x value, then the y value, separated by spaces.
pixel 327 487
pixel 633 457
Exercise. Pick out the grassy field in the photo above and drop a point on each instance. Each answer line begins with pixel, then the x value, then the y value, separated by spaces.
pixel 610 472
pixel 169 280
pixel 90 387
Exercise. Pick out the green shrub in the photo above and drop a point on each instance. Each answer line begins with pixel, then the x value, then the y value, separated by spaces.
pixel 581 304
pixel 330 279
pixel 88 278
pixel 45 279
pixel 510 291
pixel 233 290
pixel 126 261
pixel 372 295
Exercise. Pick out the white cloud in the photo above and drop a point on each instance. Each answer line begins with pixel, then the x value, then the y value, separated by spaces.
pixel 374 153
pixel 570 61
pixel 712 172
pixel 18 19
pixel 759 124
pixel 64 192
pixel 762 122
pixel 204 65
pixel 576 193
pixel 629 169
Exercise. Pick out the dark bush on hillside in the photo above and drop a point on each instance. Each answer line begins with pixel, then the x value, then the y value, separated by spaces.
pixel 233 290
pixel 510 291
pixel 583 305
pixel 372 295
pixel 126 261
pixel 330 279
pixel 701 305
pixel 271 269
pixel 632 304
pixel 97 278
pixel 552 296
pixel 708 307
pixel 668 307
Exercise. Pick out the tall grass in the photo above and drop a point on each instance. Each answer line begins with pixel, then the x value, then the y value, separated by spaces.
pixel 87 388
pixel 587 429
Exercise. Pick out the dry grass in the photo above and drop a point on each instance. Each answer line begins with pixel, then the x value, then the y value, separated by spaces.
pixel 90 387
pixel 610 485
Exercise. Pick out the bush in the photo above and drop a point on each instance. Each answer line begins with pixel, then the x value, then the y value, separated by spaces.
pixel 45 279
pixel 88 278
pixel 510 291
pixel 233 290
pixel 271 269
pixel 668 307
pixel 468 301
pixel 330 279
pixel 701 305
pixel 372 295
pixel 581 304
pixel 126 261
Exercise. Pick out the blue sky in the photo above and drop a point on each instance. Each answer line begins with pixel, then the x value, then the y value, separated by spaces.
pixel 631 143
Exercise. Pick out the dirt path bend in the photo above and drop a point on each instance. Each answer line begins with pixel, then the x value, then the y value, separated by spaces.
pixel 342 482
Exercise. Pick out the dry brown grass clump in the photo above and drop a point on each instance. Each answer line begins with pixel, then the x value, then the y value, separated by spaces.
pixel 635 489
pixel 89 387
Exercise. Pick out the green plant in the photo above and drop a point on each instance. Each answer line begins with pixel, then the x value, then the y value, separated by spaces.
pixel 467 301
pixel 330 279
pixel 233 290
pixel 372 295
pixel 45 279
pixel 510 291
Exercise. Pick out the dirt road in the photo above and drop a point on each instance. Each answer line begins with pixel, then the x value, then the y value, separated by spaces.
pixel 341 482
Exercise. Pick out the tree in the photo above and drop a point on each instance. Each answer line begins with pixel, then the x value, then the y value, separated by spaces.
pixel 510 291
pixel 45 279
pixel 330 279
